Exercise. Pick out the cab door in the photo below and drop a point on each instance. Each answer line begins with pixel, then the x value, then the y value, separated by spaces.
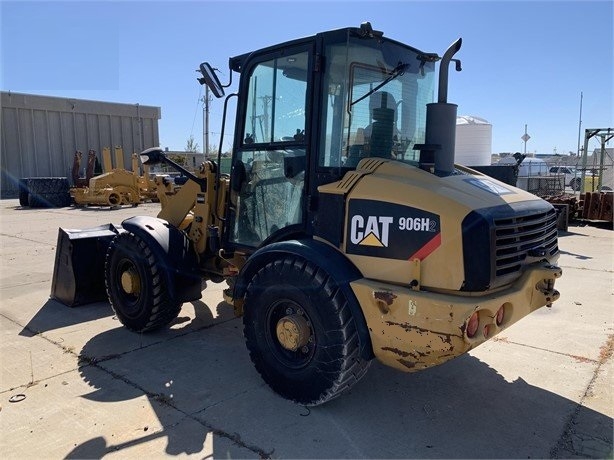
pixel 271 143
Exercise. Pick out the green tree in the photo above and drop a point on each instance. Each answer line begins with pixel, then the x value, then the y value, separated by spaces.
pixel 192 145
pixel 179 159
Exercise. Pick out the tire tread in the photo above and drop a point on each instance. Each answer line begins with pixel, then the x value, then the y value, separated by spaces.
pixel 163 309
pixel 343 351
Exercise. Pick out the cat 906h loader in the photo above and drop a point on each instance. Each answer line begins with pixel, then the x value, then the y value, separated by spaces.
pixel 345 230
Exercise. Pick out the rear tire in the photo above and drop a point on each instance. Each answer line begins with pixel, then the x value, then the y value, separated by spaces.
pixel 327 360
pixel 137 287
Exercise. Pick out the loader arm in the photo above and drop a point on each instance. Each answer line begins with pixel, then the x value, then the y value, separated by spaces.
pixel 192 207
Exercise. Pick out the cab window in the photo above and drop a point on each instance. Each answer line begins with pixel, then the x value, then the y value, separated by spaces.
pixel 269 167
pixel 374 103
pixel 276 101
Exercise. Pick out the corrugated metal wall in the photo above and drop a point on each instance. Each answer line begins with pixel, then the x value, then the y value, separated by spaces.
pixel 40 134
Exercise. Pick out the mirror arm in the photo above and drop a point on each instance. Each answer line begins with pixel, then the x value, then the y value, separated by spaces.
pixel 229 81
pixel 219 151
pixel 200 181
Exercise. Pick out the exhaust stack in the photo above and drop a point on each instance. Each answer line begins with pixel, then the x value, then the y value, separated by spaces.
pixel 441 118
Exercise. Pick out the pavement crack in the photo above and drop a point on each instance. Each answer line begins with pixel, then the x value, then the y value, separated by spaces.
pixel 21 238
pixel 574 267
pixel 566 445
pixel 230 398
pixel 582 359
pixel 162 399
pixel 36 382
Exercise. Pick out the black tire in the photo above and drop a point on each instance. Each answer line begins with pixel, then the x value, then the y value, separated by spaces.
pixel 49 200
pixel 148 305
pixel 48 192
pixel 329 363
pixel 23 192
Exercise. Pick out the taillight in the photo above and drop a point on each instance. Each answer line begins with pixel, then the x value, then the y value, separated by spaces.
pixel 500 315
pixel 472 325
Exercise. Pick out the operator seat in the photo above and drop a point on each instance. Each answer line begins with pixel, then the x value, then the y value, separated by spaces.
pixel 378 136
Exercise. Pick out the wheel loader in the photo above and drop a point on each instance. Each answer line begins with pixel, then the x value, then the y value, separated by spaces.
pixel 345 230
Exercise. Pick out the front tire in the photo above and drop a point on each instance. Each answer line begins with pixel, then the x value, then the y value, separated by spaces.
pixel 300 332
pixel 137 287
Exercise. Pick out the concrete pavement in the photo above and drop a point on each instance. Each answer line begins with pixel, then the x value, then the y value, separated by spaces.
pixel 75 384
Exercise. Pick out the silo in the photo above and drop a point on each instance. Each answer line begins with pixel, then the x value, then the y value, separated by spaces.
pixel 473 141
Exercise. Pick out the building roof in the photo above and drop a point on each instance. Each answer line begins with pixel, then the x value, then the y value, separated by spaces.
pixel 470 120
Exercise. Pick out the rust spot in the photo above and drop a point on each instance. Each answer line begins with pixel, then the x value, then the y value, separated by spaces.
pixel 444 336
pixel 385 296
pixel 406 354
pixel 402 353
pixel 407 364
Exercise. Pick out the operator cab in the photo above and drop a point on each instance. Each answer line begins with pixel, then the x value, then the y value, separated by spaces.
pixel 309 111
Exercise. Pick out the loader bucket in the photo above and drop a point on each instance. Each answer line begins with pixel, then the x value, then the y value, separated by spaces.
pixel 78 274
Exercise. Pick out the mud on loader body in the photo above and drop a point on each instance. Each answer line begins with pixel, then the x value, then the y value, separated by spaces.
pixel 345 230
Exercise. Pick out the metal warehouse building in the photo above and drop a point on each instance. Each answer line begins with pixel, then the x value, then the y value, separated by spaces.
pixel 40 134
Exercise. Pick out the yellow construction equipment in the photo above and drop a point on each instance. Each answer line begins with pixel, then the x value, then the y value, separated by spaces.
pixel 117 186
pixel 344 230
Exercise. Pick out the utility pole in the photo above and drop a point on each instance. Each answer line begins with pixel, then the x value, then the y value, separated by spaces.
pixel 206 100
pixel 580 124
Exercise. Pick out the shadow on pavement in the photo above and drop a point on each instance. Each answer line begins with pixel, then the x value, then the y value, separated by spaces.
pixel 55 315
pixel 462 409
pixel 577 256
pixel 109 354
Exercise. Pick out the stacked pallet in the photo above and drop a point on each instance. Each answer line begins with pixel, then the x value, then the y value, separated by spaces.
pixel 598 206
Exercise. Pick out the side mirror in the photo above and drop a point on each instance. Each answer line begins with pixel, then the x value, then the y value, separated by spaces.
pixel 210 79
pixel 152 156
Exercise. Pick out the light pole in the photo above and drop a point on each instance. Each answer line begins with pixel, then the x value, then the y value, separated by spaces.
pixel 206 122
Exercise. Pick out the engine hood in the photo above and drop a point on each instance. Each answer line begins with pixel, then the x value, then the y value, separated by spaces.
pixel 402 223
pixel 468 188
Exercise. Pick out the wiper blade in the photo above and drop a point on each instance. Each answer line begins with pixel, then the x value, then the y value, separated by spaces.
pixel 396 72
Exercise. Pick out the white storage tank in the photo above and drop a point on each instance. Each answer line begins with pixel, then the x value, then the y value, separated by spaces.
pixel 473 141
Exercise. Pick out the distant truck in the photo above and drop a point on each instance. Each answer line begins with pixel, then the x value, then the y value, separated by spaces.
pixel 573 177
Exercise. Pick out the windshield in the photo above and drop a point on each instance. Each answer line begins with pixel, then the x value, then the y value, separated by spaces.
pixel 375 101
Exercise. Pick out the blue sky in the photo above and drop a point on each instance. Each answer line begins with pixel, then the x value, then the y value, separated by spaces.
pixel 523 62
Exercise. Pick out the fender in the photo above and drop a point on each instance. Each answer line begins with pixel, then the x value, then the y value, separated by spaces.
pixel 174 252
pixel 325 257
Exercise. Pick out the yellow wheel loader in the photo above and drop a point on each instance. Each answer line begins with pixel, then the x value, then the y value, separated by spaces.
pixel 344 230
